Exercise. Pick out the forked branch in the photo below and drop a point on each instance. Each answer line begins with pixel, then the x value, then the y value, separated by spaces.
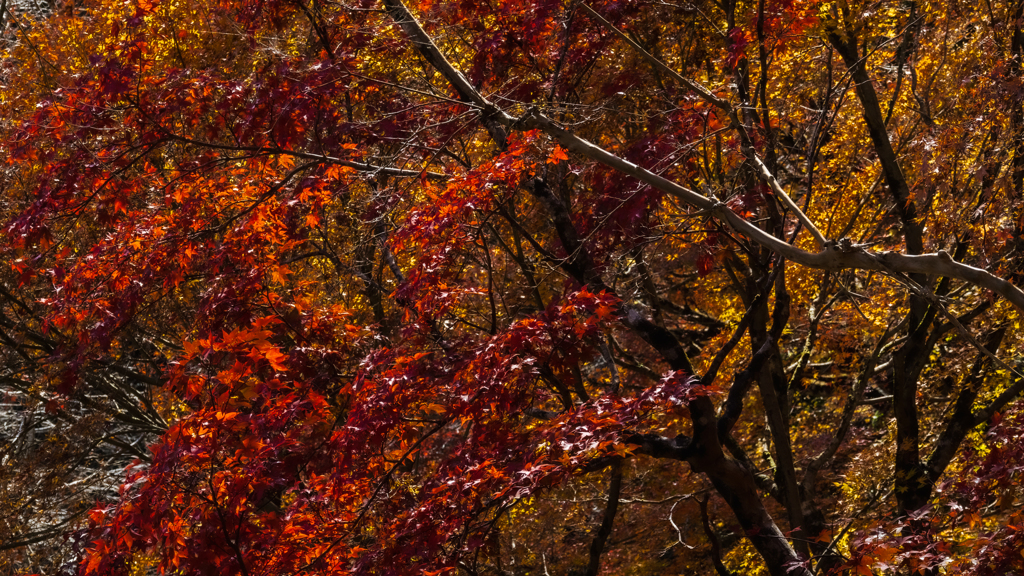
pixel 834 256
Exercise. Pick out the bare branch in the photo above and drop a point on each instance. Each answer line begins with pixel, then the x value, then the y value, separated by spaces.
pixel 597 547
pixel 841 256
pixel 766 175
pixel 835 256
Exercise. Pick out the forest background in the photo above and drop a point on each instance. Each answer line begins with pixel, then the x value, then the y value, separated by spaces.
pixel 511 287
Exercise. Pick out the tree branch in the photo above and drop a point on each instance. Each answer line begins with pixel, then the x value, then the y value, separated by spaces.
pixel 834 256
pixel 597 547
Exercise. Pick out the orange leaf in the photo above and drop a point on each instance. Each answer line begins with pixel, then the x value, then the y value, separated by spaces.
pixel 557 155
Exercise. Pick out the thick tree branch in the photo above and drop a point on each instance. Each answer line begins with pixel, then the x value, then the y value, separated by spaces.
pixel 678 448
pixel 962 420
pixel 894 176
pixel 612 508
pixel 716 546
pixel 425 45
pixel 843 255
pixel 706 95
pixel 738 391
pixel 741 329
pixel 835 256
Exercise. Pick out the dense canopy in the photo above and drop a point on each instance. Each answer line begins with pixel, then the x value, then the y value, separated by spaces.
pixel 511 287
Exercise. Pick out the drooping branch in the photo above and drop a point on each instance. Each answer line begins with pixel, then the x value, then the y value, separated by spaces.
pixel 704 453
pixel 323 158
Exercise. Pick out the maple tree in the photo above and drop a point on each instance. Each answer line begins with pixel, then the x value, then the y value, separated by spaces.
pixel 543 286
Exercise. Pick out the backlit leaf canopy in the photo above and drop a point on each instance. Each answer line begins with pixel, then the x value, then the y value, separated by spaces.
pixel 512 287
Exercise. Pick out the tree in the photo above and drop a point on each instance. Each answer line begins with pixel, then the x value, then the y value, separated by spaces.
pixel 515 287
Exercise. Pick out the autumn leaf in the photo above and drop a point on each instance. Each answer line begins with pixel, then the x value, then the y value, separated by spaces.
pixel 313 287
pixel 557 155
